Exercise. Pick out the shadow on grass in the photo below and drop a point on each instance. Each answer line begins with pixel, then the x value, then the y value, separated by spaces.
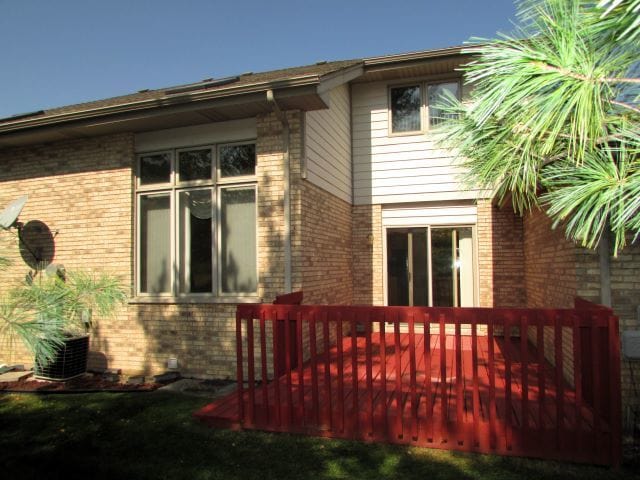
pixel 153 435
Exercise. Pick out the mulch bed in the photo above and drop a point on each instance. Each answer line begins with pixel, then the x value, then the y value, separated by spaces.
pixel 86 383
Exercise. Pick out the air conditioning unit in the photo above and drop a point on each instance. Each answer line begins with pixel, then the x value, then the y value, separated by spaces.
pixel 631 344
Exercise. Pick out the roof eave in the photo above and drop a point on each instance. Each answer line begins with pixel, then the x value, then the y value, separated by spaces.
pixel 169 100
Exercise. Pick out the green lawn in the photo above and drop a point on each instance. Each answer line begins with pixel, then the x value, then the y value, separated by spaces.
pixel 152 435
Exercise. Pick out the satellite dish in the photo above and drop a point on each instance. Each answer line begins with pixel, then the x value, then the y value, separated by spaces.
pixel 37 247
pixel 9 215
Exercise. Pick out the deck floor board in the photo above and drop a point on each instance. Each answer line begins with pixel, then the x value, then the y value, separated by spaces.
pixel 437 427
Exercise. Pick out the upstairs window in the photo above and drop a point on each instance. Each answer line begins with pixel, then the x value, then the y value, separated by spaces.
pixel 413 106
pixel 406 105
pixel 436 95
pixel 196 221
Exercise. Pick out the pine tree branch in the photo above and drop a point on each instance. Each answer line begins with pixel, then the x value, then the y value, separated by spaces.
pixel 579 76
pixel 626 105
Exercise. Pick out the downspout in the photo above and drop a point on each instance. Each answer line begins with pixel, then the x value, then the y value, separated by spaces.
pixel 287 188
pixel 604 250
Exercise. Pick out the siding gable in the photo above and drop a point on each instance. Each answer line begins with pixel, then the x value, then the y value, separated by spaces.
pixel 398 168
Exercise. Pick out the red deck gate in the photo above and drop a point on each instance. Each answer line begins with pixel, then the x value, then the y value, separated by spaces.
pixel 507 381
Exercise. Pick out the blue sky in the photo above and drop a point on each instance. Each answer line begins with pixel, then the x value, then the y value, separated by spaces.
pixel 67 51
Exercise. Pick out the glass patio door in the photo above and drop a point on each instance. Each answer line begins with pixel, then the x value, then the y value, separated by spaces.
pixel 430 266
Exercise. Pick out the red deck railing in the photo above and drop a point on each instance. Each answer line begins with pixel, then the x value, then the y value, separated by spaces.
pixel 532 382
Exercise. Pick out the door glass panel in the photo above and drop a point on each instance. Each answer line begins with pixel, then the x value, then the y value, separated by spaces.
pixel 464 266
pixel 397 271
pixel 442 264
pixel 196 216
pixel 420 270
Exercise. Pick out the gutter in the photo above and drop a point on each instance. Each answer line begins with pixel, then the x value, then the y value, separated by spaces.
pixel 166 100
pixel 287 187
pixel 415 56
pixel 604 260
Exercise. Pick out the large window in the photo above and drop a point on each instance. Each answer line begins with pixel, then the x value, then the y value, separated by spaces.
pixel 196 220
pixel 411 106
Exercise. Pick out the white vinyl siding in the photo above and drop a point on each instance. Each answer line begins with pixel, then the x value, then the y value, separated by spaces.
pixel 328 145
pixel 398 168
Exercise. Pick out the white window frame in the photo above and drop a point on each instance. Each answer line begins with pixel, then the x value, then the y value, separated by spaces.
pixel 173 188
pixel 420 85
pixel 424 104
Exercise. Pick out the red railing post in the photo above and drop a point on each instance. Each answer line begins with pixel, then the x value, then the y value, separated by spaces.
pixel 524 358
pixel 327 370
pixel 507 382
pixel 412 378
pixel 492 384
pixel 615 391
pixel 476 385
pixel 595 361
pixel 427 377
pixel 383 375
pixel 577 377
pixel 341 399
pixel 369 369
pixel 287 362
pixel 398 371
pixel 459 392
pixel 263 365
pixel 315 414
pixel 355 410
pixel 540 321
pixel 276 369
pixel 239 368
pixel 300 351
pixel 443 379
pixel 559 378
pixel 251 371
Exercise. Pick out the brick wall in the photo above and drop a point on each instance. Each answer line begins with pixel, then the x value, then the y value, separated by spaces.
pixel 326 256
pixel 500 256
pixel 368 268
pixel 83 190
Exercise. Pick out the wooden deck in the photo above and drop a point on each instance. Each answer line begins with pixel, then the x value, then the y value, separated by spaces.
pixel 408 392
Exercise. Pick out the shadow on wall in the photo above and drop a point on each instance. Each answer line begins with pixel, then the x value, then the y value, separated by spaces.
pixel 67 157
pixel 37 245
pixel 367 248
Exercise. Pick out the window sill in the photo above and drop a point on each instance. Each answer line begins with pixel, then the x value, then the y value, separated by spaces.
pixel 413 133
pixel 193 300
